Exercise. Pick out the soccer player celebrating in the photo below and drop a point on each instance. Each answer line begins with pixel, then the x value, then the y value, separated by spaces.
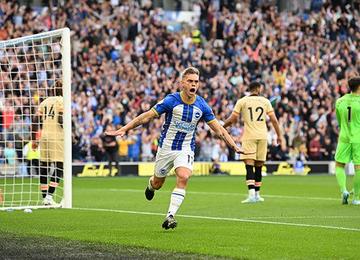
pixel 253 110
pixel 183 110
pixel 348 148
pixel 50 118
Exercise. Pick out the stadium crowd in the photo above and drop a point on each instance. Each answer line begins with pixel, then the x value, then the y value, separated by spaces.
pixel 125 59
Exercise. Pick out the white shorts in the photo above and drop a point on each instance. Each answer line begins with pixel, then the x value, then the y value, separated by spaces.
pixel 166 160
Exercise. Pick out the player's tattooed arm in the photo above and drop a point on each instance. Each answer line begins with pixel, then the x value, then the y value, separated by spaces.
pixel 224 135
pixel 232 119
pixel 139 120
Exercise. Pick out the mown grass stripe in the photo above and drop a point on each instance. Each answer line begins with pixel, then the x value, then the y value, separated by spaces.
pixel 229 194
pixel 223 219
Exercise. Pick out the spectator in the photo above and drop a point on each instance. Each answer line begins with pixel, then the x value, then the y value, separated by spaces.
pixel 134 146
pixel 2 156
pixel 146 155
pixel 126 62
pixel 315 148
pixel 10 157
pixel 32 158
pixel 97 149
pixel 123 147
pixel 224 153
pixel 206 150
pixel 276 152
pixel 111 148
pixel 327 150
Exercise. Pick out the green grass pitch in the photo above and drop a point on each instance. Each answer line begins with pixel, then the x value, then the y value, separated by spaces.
pixel 301 218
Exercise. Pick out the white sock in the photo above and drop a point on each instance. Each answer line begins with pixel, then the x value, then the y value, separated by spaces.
pixel 177 197
pixel 257 194
pixel 149 185
pixel 49 196
pixel 252 193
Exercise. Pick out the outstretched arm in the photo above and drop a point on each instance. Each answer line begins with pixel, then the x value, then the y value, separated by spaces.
pixel 139 120
pixel 232 119
pixel 224 135
pixel 275 124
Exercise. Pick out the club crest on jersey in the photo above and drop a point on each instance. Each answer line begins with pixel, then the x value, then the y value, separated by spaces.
pixel 185 126
pixel 162 171
pixel 197 115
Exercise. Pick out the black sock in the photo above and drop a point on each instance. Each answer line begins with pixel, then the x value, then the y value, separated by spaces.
pixel 43 178
pixel 258 177
pixel 250 177
pixel 55 179
pixel 51 189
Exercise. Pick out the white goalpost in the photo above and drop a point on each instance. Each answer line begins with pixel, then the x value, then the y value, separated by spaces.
pixel 30 67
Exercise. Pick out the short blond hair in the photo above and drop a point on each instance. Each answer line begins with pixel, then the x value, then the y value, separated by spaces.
pixel 189 70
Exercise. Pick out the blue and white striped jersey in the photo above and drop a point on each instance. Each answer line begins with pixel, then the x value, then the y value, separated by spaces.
pixel 181 119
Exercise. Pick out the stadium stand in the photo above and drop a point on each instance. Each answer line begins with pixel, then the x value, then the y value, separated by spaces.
pixel 125 59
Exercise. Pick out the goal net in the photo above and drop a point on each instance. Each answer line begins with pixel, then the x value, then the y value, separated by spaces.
pixel 35 121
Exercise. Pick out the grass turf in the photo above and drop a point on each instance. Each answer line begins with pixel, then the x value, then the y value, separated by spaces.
pixel 301 218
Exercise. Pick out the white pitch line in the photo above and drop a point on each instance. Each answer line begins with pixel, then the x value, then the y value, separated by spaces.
pixel 222 219
pixel 231 194
pixel 303 217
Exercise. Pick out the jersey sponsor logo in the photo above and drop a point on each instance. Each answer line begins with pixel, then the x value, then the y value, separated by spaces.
pixel 197 115
pixel 185 126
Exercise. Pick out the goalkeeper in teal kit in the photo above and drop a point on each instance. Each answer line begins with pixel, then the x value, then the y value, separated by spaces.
pixel 348 148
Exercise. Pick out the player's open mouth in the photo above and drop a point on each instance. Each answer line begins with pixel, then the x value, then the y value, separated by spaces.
pixel 192 90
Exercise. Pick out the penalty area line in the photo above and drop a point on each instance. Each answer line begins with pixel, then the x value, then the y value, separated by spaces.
pixel 222 219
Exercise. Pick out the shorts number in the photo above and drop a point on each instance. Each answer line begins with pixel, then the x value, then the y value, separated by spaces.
pixel 349 114
pixel 190 159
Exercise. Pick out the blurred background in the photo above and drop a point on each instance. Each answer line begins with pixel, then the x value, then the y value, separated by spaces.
pixel 127 55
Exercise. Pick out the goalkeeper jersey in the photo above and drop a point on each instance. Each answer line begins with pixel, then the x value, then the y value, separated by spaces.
pixel 348 116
